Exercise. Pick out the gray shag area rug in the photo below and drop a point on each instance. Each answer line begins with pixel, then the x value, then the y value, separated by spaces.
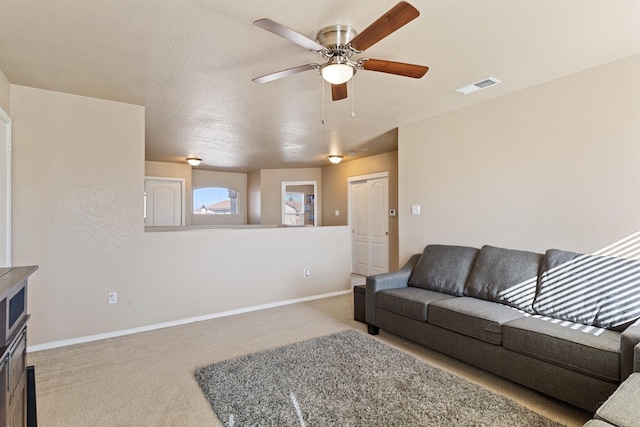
pixel 350 379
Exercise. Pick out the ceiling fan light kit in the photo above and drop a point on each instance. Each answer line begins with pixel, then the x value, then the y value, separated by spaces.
pixel 338 43
pixel 338 70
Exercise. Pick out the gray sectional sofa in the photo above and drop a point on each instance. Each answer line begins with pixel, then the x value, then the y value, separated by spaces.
pixel 621 409
pixel 562 323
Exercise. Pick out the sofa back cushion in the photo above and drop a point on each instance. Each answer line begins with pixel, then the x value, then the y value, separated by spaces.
pixel 592 290
pixel 443 268
pixel 506 276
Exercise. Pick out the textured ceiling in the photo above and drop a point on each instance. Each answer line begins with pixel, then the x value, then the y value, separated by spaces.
pixel 190 63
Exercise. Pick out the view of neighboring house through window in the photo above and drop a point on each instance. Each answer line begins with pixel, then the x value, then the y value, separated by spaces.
pixel 215 201
pixel 294 209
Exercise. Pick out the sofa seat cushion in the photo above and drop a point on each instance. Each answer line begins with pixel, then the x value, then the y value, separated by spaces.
pixel 586 349
pixel 597 423
pixel 473 317
pixel 622 409
pixel 409 302
pixel 443 268
pixel 506 276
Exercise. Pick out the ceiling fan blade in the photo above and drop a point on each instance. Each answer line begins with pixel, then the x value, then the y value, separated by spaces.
pixel 399 68
pixel 289 34
pixel 284 73
pixel 338 92
pixel 398 16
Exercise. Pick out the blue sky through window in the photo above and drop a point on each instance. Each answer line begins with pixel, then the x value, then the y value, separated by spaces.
pixel 209 196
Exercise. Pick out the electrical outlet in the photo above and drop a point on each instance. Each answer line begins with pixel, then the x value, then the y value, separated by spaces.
pixel 307 272
pixel 113 297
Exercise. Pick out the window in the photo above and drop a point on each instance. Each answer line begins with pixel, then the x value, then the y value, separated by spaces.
pixel 215 201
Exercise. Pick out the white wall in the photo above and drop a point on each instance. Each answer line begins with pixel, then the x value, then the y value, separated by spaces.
pixel 78 184
pixel 552 166
pixel 230 180
pixel 5 166
pixel 4 92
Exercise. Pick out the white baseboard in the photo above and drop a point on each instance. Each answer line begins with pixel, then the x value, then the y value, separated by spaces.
pixel 79 340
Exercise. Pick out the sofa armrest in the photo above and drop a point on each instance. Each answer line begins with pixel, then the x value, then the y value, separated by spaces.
pixel 379 282
pixel 630 350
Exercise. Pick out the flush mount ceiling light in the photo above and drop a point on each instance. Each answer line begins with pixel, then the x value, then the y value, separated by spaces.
pixel 194 161
pixel 334 158
pixel 479 85
pixel 338 70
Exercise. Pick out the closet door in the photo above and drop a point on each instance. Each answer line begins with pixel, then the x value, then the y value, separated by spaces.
pixel 369 205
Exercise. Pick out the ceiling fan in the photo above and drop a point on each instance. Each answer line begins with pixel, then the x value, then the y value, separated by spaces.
pixel 338 43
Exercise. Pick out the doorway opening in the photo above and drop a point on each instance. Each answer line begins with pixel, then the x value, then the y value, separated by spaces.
pixel 299 203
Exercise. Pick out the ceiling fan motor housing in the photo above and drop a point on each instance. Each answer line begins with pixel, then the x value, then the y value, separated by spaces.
pixel 336 38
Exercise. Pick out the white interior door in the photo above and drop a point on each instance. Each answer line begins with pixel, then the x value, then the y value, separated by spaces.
pixel 5 189
pixel 369 205
pixel 379 231
pixel 163 202
pixel 359 228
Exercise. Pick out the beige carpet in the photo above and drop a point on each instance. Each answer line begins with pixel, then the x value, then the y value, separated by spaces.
pixel 147 379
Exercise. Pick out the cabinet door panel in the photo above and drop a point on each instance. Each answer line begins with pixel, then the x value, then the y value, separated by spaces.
pixel 17 364
pixel 17 411
pixel 4 376
pixel 16 414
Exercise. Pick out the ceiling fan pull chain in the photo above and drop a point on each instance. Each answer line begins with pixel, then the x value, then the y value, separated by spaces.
pixel 353 98
pixel 323 122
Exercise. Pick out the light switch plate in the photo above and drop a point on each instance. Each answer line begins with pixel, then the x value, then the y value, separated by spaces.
pixel 415 209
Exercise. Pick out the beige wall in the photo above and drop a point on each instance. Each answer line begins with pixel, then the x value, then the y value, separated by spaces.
pixel 336 189
pixel 77 198
pixel 253 197
pixel 4 93
pixel 553 166
pixel 173 170
pixel 271 191
pixel 230 180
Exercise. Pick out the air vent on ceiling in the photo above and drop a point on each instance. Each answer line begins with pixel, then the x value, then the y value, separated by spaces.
pixel 482 84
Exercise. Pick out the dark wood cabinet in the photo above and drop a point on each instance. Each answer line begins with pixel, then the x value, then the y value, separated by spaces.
pixel 13 345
